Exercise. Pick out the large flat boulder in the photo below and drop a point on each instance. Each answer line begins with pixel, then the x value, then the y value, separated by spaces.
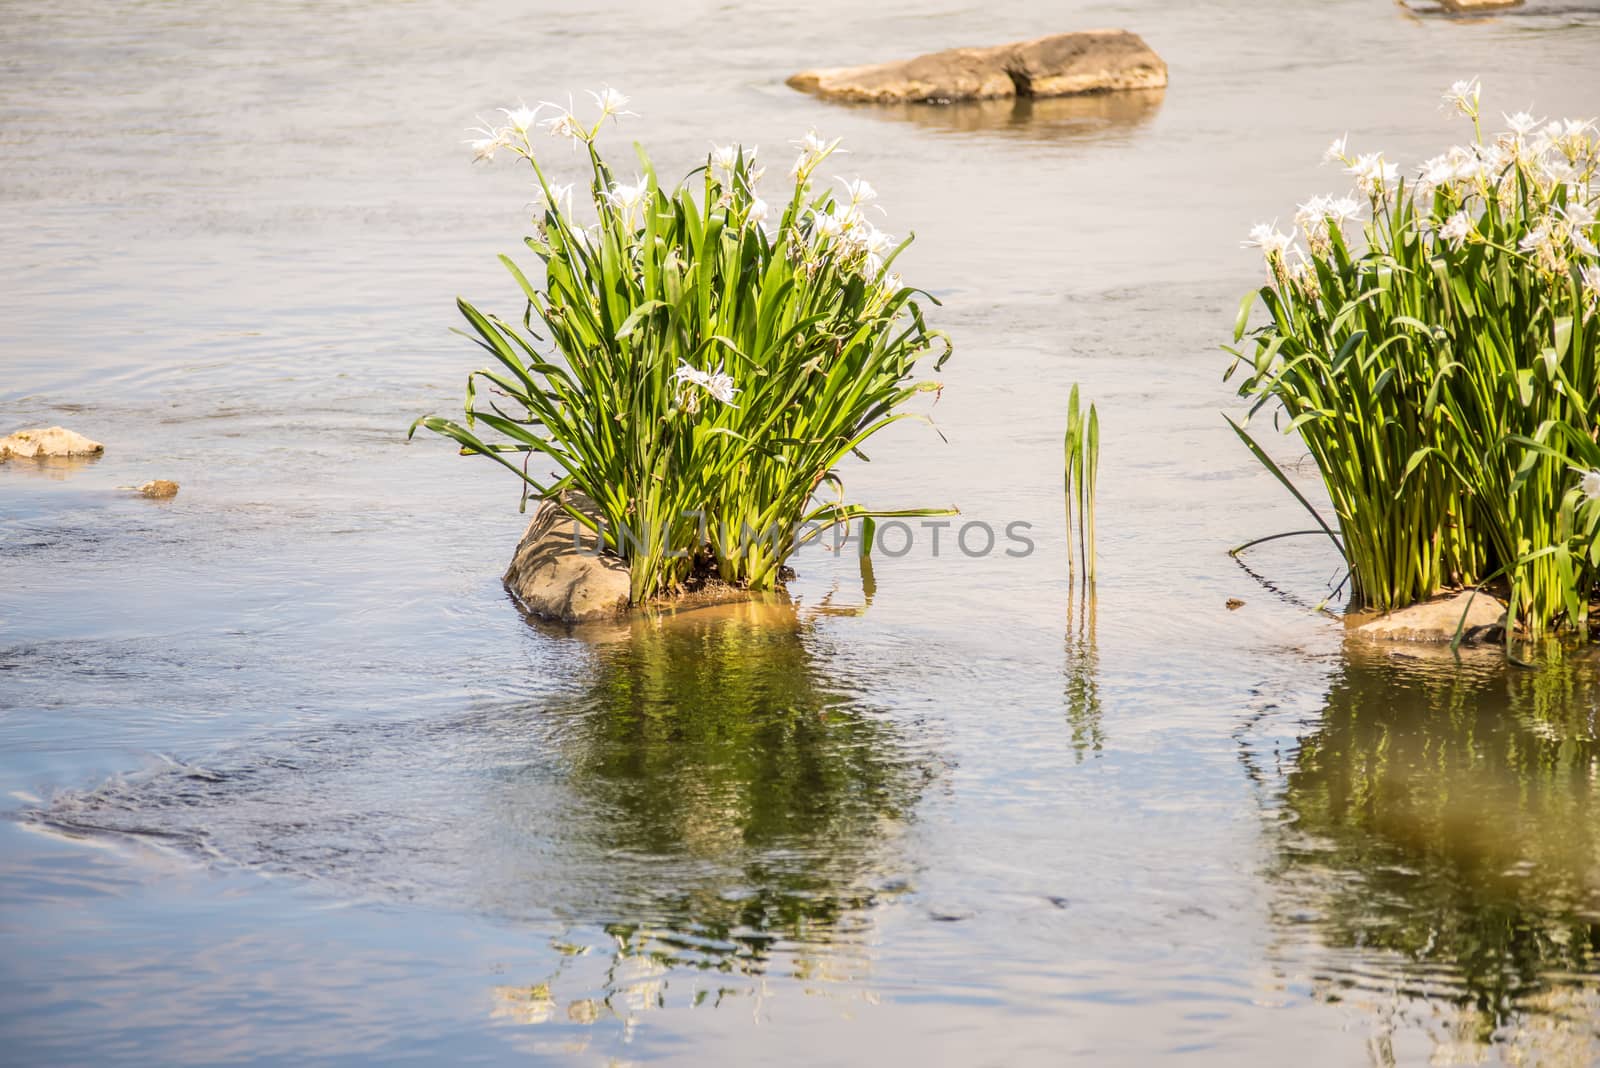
pixel 43 442
pixel 1063 64
pixel 556 572
pixel 1436 620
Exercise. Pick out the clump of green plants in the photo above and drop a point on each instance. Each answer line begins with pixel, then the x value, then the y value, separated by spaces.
pixel 1082 462
pixel 694 361
pixel 1443 368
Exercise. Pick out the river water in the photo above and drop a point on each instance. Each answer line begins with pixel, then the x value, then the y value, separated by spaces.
pixel 287 778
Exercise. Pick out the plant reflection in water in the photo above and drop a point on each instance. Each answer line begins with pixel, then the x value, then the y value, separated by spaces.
pixel 1438 851
pixel 751 808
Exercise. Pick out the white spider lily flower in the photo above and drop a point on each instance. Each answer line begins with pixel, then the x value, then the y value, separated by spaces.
pixel 724 158
pixel 1544 242
pixel 1580 219
pixel 521 118
pixel 1456 229
pixel 813 145
pixel 610 102
pixel 565 124
pixel 758 211
pixel 1300 273
pixel 1581 241
pixel 1312 218
pixel 840 219
pixel 891 283
pixel 812 151
pixel 872 246
pixel 559 200
pixel 1484 165
pixel 1470 164
pixel 1521 123
pixel 1337 150
pixel 722 388
pixel 1463 96
pixel 719 385
pixel 692 375
pixel 1526 155
pixel 1589 483
pixel 1505 194
pixel 1373 175
pixel 1435 173
pixel 1344 209
pixel 488 140
pixel 860 191
pixel 1576 212
pixel 1570 137
pixel 1546 139
pixel 1560 172
pixel 484 148
pixel 1591 283
pixel 1539 238
pixel 1269 239
pixel 627 198
pixel 1315 208
pixel 825 225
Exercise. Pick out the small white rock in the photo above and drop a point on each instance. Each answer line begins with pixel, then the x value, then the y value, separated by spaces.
pixel 1437 620
pixel 159 488
pixel 38 443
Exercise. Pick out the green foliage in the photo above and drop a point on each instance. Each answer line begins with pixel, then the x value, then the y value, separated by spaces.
pixel 1445 376
pixel 1082 470
pixel 697 376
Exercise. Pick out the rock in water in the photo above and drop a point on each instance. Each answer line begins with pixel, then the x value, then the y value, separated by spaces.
pixel 40 443
pixel 1064 64
pixel 1436 620
pixel 1478 5
pixel 159 488
pixel 555 579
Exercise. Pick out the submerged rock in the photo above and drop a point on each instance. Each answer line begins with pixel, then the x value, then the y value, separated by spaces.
pixel 159 488
pixel 1437 620
pixel 555 578
pixel 1064 64
pixel 40 443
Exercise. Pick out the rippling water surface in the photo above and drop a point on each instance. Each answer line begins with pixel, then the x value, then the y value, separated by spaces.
pixel 287 778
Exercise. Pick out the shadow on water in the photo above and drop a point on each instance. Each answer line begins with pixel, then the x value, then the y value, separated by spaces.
pixel 1438 851
pixel 696 801
pixel 1089 117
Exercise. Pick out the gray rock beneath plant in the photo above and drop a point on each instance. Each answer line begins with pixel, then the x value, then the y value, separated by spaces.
pixel 1436 620
pixel 1478 5
pixel 1064 64
pixel 41 443
pixel 555 575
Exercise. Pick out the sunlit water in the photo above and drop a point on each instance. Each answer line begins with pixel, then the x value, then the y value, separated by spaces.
pixel 289 778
